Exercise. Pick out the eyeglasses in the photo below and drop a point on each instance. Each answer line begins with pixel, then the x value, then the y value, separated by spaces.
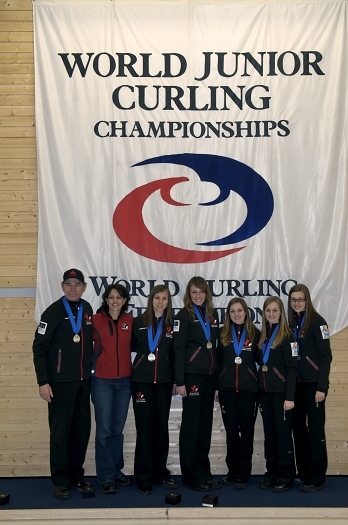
pixel 300 300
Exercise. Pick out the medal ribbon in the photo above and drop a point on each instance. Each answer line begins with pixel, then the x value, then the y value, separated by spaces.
pixel 153 341
pixel 266 350
pixel 76 326
pixel 238 347
pixel 297 331
pixel 204 323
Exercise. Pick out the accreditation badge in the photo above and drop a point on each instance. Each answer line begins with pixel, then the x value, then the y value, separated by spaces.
pixel 325 331
pixel 176 325
pixel 294 349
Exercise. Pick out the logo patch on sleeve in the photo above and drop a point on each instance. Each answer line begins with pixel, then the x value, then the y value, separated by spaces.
pixel 42 328
pixel 176 326
pixel 325 331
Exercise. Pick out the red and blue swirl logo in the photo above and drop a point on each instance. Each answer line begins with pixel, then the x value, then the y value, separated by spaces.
pixel 228 174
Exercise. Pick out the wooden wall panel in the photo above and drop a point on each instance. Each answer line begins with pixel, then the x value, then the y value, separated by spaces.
pixel 24 432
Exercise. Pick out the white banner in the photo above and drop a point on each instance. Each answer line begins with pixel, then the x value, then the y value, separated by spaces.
pixel 194 140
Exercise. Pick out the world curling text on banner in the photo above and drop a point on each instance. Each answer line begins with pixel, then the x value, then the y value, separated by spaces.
pixel 194 140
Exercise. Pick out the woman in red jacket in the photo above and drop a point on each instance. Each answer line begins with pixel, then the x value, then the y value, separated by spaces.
pixel 111 370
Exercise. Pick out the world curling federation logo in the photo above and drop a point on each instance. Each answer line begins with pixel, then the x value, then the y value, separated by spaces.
pixel 228 174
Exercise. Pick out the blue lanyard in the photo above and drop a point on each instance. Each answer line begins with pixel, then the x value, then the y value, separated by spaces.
pixel 76 326
pixel 238 347
pixel 297 331
pixel 204 324
pixel 153 341
pixel 266 350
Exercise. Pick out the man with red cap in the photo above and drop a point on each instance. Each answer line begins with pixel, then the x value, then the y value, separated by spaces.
pixel 62 358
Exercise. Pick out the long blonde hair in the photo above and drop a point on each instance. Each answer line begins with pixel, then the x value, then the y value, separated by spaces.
pixel 283 329
pixel 225 335
pixel 202 284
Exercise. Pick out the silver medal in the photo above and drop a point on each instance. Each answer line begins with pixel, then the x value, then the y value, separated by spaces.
pixel 151 357
pixel 76 338
pixel 264 368
pixel 238 360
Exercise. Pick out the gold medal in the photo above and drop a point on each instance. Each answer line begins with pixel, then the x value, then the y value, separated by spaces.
pixel 76 338
pixel 209 345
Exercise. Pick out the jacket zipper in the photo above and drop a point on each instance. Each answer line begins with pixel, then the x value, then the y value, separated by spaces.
pixel 59 361
pixel 194 354
pixel 82 353
pixel 139 361
pixel 278 374
pixel 212 360
pixel 155 371
pixel 312 363
pixel 237 385
pixel 117 358
pixel 252 373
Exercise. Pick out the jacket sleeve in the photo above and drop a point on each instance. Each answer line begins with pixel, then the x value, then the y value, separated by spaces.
pixel 181 325
pixel 41 345
pixel 291 366
pixel 324 350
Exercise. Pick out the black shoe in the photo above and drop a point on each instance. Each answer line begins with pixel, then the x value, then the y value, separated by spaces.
pixel 146 491
pixel 265 484
pixel 214 484
pixel 62 491
pixel 282 486
pixel 109 487
pixel 227 480
pixel 169 483
pixel 239 484
pixel 305 487
pixel 81 484
pixel 124 480
pixel 203 487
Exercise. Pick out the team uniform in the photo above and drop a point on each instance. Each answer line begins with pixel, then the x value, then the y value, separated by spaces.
pixel 65 365
pixel 238 395
pixel 111 372
pixel 151 387
pixel 309 417
pixel 277 383
pixel 195 367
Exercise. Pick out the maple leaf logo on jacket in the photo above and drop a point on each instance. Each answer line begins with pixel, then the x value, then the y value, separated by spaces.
pixel 169 331
pixel 140 398
pixel 194 391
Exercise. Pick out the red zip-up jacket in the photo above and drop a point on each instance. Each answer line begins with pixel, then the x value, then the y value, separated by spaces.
pixel 112 341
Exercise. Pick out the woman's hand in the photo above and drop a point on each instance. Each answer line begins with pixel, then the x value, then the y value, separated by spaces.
pixel 45 392
pixel 288 405
pixel 181 390
pixel 319 396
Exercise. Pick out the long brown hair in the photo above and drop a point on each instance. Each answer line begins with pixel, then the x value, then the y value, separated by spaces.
pixel 226 335
pixel 148 314
pixel 202 284
pixel 283 329
pixel 310 310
